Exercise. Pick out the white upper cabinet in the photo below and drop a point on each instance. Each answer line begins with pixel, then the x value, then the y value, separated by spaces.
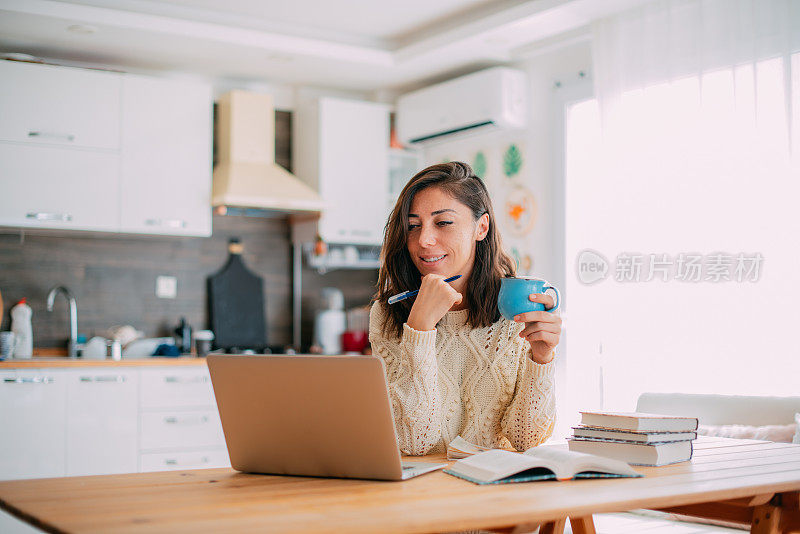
pixel 58 187
pixel 166 157
pixel 50 105
pixel 103 151
pixel 341 149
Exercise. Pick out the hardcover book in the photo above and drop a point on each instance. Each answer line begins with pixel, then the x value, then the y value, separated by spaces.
pixel 588 432
pixel 639 422
pixel 653 454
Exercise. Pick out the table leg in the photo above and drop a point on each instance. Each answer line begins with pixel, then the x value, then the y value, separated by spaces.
pixel 766 519
pixel 582 525
pixel 553 527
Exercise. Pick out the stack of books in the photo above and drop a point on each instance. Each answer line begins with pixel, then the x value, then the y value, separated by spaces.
pixel 635 438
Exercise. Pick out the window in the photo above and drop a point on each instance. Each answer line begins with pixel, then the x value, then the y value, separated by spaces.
pixel 704 166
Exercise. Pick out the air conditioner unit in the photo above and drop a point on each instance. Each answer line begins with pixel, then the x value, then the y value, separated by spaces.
pixel 484 100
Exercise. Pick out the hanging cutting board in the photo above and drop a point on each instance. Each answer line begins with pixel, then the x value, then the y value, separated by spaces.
pixel 236 304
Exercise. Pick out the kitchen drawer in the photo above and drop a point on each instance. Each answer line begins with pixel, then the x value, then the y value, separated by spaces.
pixel 47 104
pixel 172 461
pixel 54 187
pixel 178 429
pixel 176 388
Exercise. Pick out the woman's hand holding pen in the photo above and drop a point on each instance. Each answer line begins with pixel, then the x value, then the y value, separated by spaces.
pixel 542 329
pixel 434 299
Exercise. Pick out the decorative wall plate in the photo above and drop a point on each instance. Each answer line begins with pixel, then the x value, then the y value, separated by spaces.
pixel 520 210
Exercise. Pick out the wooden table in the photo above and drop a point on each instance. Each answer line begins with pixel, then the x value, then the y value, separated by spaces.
pixel 751 482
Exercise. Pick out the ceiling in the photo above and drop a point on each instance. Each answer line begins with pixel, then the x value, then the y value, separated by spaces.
pixel 363 45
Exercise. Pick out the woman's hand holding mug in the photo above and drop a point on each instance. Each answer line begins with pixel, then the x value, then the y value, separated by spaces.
pixel 523 299
pixel 542 329
pixel 434 299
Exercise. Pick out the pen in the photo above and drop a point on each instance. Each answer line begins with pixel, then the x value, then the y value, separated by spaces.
pixel 405 294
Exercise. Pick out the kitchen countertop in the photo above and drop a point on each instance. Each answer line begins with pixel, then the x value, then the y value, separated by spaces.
pixel 44 363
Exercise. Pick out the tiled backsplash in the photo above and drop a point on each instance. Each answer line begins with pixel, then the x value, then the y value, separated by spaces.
pixel 113 279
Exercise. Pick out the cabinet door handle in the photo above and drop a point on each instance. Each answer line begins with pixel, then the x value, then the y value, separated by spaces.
pixel 44 216
pixel 29 380
pixel 105 378
pixel 51 135
pixel 185 380
pixel 172 420
pixel 168 223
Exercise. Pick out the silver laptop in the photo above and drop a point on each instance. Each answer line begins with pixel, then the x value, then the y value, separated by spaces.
pixel 322 416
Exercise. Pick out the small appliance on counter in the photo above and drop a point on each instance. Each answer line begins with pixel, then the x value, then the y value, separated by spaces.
pixel 330 322
pixel 356 337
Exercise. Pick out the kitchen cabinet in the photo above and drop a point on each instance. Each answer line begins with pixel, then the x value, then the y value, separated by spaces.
pixel 103 420
pixel 11 525
pixel 341 149
pixel 180 429
pixel 176 388
pixel 47 105
pixel 165 185
pixel 33 419
pixel 179 422
pixel 104 151
pixel 57 187
pixel 171 461
pixel 102 427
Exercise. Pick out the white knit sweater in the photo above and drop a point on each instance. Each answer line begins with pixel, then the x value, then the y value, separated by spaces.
pixel 479 383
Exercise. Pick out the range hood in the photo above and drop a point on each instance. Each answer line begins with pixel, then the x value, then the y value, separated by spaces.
pixel 246 175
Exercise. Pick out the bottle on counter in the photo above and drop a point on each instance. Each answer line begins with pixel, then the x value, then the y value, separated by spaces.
pixel 183 337
pixel 21 315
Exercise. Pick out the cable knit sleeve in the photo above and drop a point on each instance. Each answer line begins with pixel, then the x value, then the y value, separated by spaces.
pixel 412 376
pixel 531 415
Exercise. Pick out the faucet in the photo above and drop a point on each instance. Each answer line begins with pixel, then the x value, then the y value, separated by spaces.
pixel 72 346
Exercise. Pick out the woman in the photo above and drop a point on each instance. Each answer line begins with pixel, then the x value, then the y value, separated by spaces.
pixel 454 365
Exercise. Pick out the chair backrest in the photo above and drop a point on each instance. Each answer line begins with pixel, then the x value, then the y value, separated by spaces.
pixel 722 409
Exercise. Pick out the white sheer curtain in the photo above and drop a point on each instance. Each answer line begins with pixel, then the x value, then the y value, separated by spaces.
pixel 690 150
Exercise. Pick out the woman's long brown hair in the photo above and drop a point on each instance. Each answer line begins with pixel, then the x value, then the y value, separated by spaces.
pixel 398 272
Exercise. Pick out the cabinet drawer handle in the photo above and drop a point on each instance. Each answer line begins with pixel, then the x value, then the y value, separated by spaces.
pixel 51 135
pixel 169 223
pixel 29 380
pixel 172 420
pixel 182 380
pixel 174 461
pixel 43 216
pixel 106 378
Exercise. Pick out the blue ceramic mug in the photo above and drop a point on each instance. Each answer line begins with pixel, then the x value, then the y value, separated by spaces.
pixel 513 298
